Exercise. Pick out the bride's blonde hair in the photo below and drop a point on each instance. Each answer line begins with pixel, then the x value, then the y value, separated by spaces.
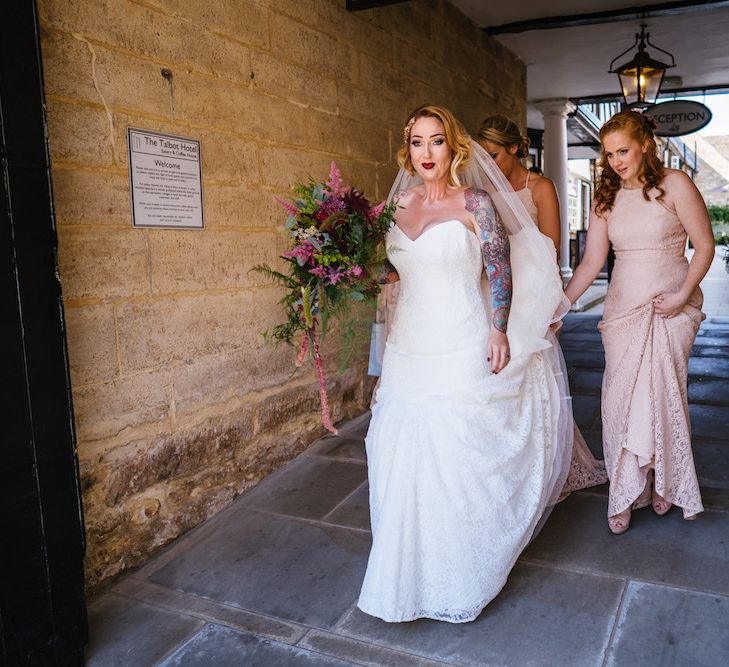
pixel 457 139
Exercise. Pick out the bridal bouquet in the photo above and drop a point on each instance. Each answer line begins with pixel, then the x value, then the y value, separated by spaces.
pixel 336 244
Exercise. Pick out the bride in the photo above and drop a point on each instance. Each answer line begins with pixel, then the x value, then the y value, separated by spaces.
pixel 470 438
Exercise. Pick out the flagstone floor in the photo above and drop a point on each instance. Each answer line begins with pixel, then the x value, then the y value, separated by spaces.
pixel 273 579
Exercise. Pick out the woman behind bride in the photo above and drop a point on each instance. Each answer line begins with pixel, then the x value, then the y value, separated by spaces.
pixel 470 438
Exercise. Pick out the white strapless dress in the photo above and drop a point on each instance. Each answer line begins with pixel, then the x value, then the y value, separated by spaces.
pixel 462 462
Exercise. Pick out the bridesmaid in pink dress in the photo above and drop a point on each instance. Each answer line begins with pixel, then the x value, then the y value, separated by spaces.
pixel 652 314
pixel 501 137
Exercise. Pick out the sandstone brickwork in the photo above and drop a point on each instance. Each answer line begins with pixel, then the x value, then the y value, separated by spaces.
pixel 179 403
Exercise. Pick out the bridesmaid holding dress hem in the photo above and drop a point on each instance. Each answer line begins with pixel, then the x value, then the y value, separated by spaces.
pixel 651 318
pixel 501 138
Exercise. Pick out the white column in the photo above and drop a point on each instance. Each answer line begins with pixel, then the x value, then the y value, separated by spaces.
pixel 555 166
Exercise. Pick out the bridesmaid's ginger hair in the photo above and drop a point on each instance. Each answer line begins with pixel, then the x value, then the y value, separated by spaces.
pixel 457 139
pixel 639 128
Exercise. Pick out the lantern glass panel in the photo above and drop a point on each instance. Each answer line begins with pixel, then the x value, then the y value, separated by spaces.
pixel 651 79
pixel 629 84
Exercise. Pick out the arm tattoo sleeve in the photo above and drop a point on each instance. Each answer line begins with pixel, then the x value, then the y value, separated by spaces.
pixel 495 250
pixel 386 273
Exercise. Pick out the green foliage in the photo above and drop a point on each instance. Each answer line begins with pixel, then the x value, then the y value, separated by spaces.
pixel 721 233
pixel 718 214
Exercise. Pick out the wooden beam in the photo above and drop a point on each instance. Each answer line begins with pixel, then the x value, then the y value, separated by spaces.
pixel 610 16
pixel 359 5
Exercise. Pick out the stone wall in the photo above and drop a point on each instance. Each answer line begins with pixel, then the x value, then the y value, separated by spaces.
pixel 179 403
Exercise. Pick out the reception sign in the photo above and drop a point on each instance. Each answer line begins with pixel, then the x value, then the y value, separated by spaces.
pixel 679 117
pixel 165 179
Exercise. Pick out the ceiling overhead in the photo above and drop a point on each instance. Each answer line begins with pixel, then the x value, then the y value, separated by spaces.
pixel 567 45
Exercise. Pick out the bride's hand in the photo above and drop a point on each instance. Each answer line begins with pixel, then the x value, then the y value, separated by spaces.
pixel 497 350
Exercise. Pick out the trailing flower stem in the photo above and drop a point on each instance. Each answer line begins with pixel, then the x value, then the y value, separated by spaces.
pixel 302 351
pixel 323 397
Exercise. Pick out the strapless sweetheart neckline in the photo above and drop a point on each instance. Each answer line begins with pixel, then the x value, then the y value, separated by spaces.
pixel 428 229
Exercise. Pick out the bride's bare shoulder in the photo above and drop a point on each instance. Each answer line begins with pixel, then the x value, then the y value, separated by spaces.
pixel 406 197
pixel 412 192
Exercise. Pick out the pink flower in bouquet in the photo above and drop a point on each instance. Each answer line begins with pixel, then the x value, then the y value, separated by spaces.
pixel 335 179
pixel 376 211
pixel 319 272
pixel 290 207
pixel 302 253
pixel 356 271
pixel 335 275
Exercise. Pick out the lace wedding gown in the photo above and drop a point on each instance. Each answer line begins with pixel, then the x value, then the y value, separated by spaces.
pixel 462 462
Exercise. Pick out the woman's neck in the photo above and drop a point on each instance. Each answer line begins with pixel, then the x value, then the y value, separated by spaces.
pixel 634 183
pixel 517 176
pixel 435 190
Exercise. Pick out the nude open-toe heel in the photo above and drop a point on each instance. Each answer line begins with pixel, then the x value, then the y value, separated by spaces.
pixel 660 505
pixel 619 523
pixel 644 499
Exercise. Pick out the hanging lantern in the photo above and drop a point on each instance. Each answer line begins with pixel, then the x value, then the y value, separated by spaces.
pixel 641 76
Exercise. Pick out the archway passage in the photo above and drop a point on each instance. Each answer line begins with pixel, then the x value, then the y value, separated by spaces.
pixel 42 609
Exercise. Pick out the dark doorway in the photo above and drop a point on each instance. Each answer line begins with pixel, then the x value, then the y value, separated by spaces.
pixel 42 609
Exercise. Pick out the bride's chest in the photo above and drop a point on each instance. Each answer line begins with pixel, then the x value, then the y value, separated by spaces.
pixel 443 250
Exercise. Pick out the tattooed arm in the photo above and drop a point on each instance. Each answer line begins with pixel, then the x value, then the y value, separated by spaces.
pixel 495 250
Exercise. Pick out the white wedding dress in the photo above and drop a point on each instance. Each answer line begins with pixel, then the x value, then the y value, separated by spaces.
pixel 462 462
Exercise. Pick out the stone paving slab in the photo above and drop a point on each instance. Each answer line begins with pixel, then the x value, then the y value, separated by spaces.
pixel 587 358
pixel 542 613
pixel 585 381
pixel 308 487
pixel 129 632
pixel 667 550
pixel 712 335
pixel 222 647
pixel 210 611
pixel 586 410
pixel 709 367
pixel 363 653
pixel 356 428
pixel 708 390
pixel 712 463
pixel 715 499
pixel 348 447
pixel 354 512
pixel 291 569
pixel 709 421
pixel 671 628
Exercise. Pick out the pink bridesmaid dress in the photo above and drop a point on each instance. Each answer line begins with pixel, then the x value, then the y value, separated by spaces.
pixel 644 396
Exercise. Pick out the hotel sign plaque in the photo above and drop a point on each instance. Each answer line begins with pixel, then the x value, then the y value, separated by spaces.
pixel 165 177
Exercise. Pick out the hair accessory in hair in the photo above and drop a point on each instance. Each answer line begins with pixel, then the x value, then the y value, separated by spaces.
pixel 408 127
pixel 650 121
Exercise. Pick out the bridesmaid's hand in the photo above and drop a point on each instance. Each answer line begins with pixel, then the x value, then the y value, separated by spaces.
pixel 497 350
pixel 669 304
